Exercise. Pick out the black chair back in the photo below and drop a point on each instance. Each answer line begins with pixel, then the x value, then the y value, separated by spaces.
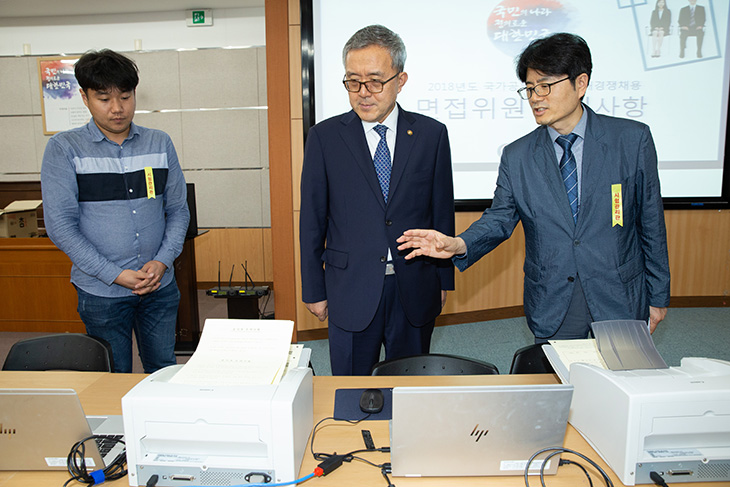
pixel 531 360
pixel 62 351
pixel 434 364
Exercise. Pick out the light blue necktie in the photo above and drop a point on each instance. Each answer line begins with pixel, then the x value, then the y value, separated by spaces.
pixel 569 171
pixel 381 159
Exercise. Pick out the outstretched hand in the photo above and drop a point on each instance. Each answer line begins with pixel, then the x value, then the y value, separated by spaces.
pixel 431 244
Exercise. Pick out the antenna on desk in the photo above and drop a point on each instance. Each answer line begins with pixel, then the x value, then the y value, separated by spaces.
pixel 230 279
pixel 247 277
pixel 219 275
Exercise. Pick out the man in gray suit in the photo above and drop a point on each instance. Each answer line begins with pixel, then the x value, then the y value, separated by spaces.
pixel 586 189
pixel 691 23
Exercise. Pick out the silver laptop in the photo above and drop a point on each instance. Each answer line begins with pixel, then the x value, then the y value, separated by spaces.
pixel 476 430
pixel 38 427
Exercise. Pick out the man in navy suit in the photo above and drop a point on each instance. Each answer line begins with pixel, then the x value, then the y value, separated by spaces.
pixel 355 203
pixel 586 189
pixel 691 23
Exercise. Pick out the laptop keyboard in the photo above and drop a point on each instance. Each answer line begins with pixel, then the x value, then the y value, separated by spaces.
pixel 106 442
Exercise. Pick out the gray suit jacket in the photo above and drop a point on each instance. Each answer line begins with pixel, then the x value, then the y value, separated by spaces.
pixel 623 268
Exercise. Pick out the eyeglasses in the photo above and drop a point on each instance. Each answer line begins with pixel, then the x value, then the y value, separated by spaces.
pixel 542 89
pixel 373 85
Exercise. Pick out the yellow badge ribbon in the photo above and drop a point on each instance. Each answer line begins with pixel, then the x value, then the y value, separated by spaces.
pixel 617 206
pixel 149 178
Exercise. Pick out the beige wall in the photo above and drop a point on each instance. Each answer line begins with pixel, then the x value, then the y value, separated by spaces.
pixel 218 125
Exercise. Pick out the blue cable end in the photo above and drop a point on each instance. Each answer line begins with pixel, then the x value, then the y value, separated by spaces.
pixel 98 476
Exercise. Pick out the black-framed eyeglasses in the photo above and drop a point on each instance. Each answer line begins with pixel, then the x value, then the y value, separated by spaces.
pixel 542 89
pixel 373 85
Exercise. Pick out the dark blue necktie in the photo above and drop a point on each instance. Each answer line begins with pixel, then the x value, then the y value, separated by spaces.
pixel 569 171
pixel 381 159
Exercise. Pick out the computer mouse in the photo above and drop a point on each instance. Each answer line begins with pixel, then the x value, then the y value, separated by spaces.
pixel 371 401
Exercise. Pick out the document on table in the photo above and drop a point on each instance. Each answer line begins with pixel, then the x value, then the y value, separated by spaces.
pixel 239 352
pixel 562 353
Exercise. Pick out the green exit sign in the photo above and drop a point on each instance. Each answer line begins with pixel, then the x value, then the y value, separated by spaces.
pixel 199 17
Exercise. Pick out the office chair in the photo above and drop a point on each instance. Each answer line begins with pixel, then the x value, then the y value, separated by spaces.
pixel 62 351
pixel 434 364
pixel 531 360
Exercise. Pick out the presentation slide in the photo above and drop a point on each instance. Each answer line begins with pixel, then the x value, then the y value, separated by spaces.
pixel 461 71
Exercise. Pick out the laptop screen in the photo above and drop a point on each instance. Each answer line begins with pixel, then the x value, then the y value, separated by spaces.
pixel 476 430
pixel 38 427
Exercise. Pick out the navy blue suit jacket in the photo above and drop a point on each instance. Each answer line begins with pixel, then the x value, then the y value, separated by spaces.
pixel 623 269
pixel 346 225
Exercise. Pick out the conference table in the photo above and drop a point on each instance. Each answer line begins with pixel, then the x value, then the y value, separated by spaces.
pixel 101 393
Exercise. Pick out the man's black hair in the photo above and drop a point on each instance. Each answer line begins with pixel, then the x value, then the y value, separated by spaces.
pixel 556 55
pixel 106 69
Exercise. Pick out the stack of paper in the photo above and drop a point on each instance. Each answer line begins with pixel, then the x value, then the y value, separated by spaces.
pixel 619 345
pixel 239 352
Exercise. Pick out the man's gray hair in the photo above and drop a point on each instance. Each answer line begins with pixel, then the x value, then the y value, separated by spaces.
pixel 377 35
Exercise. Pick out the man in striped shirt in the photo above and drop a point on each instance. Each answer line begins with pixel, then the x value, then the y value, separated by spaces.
pixel 114 200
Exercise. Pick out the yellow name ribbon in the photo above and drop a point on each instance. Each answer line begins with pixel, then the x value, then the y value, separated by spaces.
pixel 149 178
pixel 617 213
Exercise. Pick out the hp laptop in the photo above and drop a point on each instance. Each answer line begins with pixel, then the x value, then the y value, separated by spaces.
pixel 476 430
pixel 38 427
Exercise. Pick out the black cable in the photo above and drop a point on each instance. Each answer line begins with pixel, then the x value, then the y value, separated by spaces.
pixel 385 470
pixel 558 451
pixel 570 462
pixel 657 479
pixel 606 478
pixel 262 310
pixel 76 464
pixel 321 456
pixel 350 456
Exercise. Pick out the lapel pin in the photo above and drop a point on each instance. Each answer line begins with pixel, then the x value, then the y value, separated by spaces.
pixel 410 132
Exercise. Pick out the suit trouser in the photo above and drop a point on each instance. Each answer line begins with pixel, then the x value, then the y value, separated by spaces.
pixel 577 321
pixel 698 33
pixel 355 353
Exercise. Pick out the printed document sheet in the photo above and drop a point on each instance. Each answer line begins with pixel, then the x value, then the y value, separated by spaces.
pixel 562 353
pixel 239 352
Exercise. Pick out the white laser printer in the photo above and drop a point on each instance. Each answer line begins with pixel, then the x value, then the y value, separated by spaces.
pixel 674 421
pixel 217 435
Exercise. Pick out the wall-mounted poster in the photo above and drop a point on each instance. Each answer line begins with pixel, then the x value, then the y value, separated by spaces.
pixel 61 102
